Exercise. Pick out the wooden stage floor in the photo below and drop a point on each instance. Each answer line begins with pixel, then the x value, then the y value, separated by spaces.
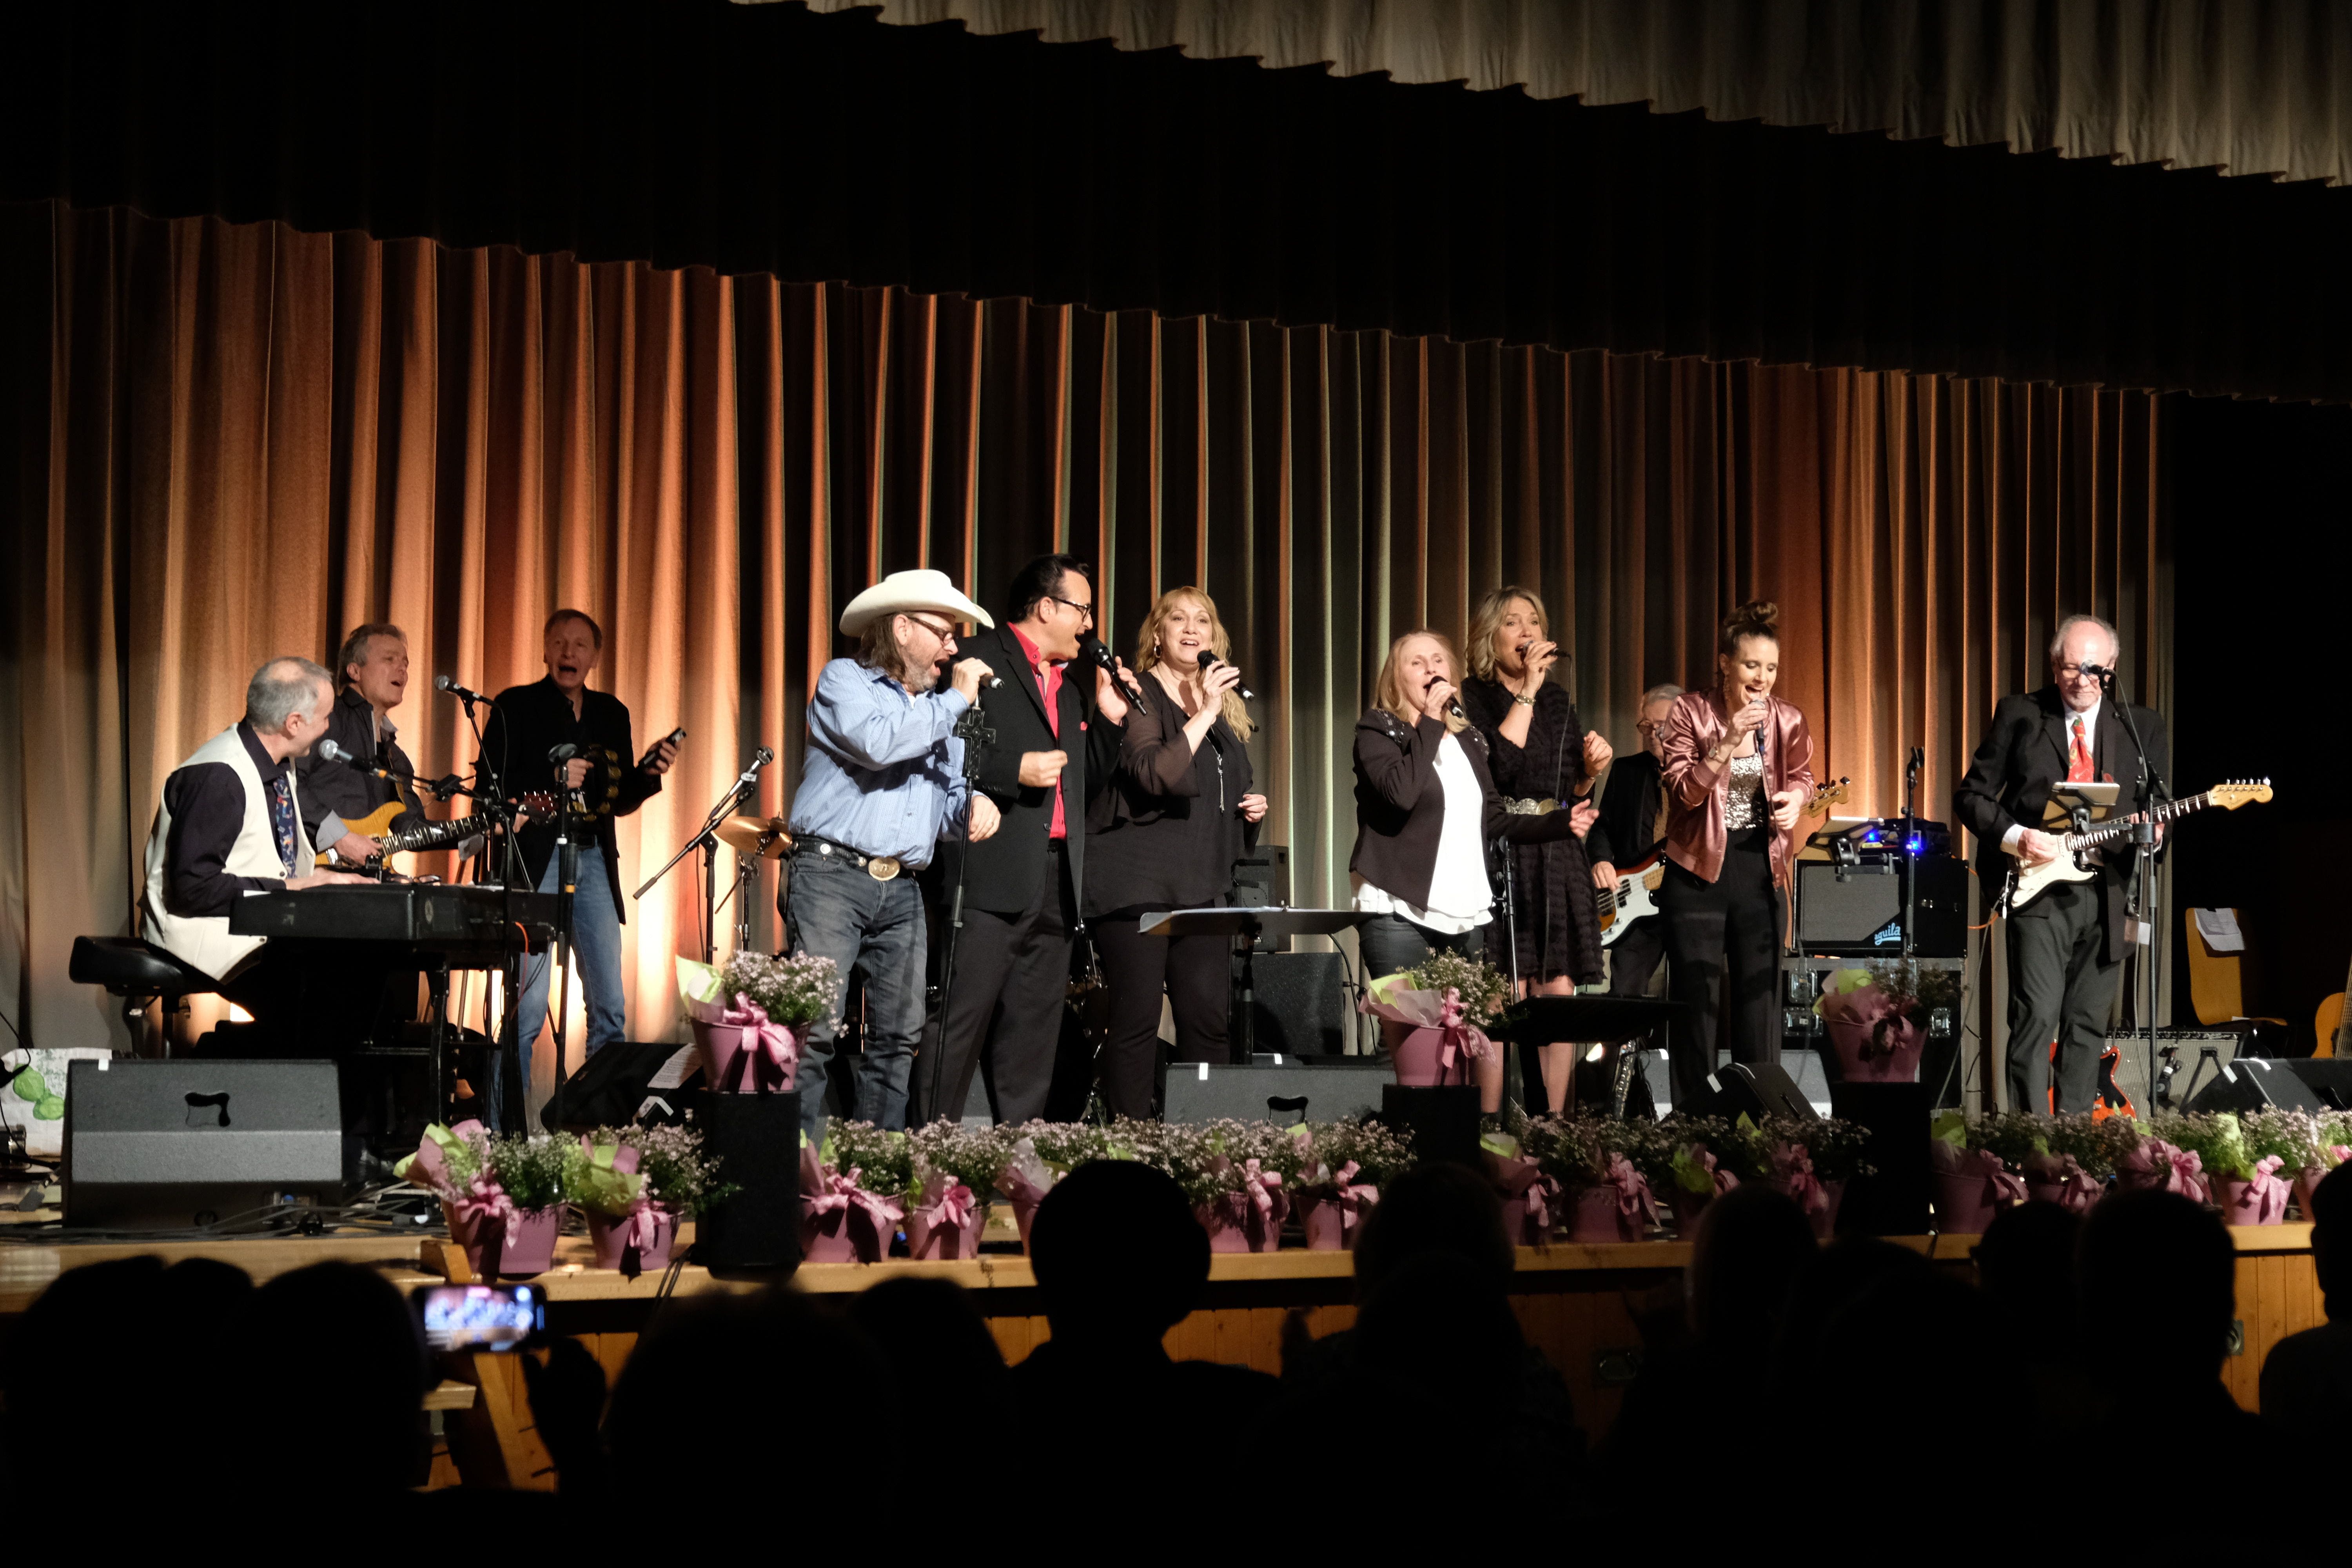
pixel 1582 1305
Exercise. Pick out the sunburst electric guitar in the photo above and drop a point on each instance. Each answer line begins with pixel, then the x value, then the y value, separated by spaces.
pixel 1635 894
pixel 2072 862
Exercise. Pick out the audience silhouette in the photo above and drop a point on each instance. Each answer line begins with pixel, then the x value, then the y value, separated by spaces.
pixel 2307 1381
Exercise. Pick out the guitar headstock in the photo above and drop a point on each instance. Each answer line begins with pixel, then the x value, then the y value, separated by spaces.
pixel 2240 791
pixel 1828 796
pixel 538 803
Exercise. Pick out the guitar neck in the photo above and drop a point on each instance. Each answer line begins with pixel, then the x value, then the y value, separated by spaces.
pixel 2109 833
pixel 434 835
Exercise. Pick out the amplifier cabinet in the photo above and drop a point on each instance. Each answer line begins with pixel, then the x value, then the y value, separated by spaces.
pixel 1858 910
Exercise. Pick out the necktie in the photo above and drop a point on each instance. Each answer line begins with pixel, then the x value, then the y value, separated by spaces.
pixel 2078 758
pixel 281 821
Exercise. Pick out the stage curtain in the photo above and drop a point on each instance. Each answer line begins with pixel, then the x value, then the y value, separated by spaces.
pixel 766 140
pixel 2252 85
pixel 256 437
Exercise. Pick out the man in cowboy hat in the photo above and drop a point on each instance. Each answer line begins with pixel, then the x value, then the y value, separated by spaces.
pixel 882 784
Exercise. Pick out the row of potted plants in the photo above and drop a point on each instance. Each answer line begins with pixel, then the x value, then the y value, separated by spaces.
pixel 2248 1165
pixel 506 1195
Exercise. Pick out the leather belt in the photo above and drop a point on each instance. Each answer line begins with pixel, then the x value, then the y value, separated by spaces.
pixel 1530 807
pixel 881 867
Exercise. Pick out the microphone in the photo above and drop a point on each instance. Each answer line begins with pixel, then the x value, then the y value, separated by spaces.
pixel 563 753
pixel 1210 662
pixel 443 683
pixel 1091 649
pixel 1453 704
pixel 335 753
pixel 2099 672
pixel 751 775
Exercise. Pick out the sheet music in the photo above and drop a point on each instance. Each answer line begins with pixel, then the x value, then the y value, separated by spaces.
pixel 2220 930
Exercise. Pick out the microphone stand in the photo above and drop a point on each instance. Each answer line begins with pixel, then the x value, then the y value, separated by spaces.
pixel 505 1045
pixel 2150 788
pixel 705 839
pixel 973 729
pixel 567 880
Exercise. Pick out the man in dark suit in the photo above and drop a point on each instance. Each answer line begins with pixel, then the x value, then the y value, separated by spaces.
pixel 2066 946
pixel 1055 746
pixel 1633 814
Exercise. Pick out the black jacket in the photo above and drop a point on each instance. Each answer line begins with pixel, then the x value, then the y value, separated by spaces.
pixel 1629 808
pixel 343 792
pixel 1166 827
pixel 1004 870
pixel 532 720
pixel 1401 805
pixel 2023 755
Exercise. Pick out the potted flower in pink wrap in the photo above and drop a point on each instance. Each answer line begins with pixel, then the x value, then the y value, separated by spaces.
pixel 1339 1178
pixel 450 1163
pixel 1876 1016
pixel 1688 1169
pixel 956 1168
pixel 1603 1196
pixel 2308 1145
pixel 747 1013
pixel 1809 1158
pixel 625 1229
pixel 528 1170
pixel 2155 1164
pixel 854 1191
pixel 1430 1018
pixel 1969 1177
pixel 1532 1196
pixel 2076 1156
pixel 1040 1154
pixel 1236 1174
pixel 2244 1185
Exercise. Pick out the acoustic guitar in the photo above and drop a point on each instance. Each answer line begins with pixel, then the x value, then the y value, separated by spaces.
pixel 2073 863
pixel 377 824
pixel 2330 1027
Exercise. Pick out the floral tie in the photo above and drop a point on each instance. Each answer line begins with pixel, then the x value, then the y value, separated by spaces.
pixel 2078 759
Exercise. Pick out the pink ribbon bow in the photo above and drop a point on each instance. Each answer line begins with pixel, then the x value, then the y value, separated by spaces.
pixel 768 1052
pixel 1724 1180
pixel 2266 1192
pixel 1353 1198
pixel 1792 1167
pixel 1633 1200
pixel 954 1206
pixel 2003 1185
pixel 484 1200
pixel 2181 1171
pixel 1458 1040
pixel 2077 1188
pixel 1261 1185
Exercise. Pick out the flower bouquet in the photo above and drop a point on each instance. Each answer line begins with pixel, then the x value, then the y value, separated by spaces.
pixel 2158 1161
pixel 1875 1015
pixel 1604 1196
pixel 1342 1169
pixel 2077 1157
pixel 955 1169
pixel 1531 1196
pixel 1679 1157
pixel 853 1192
pixel 529 1171
pixel 448 1164
pixel 1236 1175
pixel 1809 1158
pixel 1431 1016
pixel 1968 1163
pixel 2308 1145
pixel 750 1044
pixel 2243 1183
pixel 626 1230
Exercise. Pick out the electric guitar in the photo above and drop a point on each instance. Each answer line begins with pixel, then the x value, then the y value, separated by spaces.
pixel 1631 897
pixel 377 824
pixel 2025 883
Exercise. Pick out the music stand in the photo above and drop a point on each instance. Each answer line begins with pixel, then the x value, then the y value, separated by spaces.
pixel 1275 919
pixel 1599 1020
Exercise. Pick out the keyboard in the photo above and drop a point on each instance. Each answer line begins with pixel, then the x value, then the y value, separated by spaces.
pixel 442 917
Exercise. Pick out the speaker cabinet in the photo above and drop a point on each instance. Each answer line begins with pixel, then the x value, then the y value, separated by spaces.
pixel 1858 910
pixel 1333 1091
pixel 1302 1004
pixel 2258 1083
pixel 1756 1089
pixel 757 1139
pixel 1261 880
pixel 1894 1200
pixel 163 1145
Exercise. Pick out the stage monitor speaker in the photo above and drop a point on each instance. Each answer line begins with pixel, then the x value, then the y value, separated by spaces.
pixel 757 1140
pixel 2189 1078
pixel 1262 879
pixel 2260 1083
pixel 1333 1088
pixel 1302 1004
pixel 163 1145
pixel 1893 1201
pixel 1756 1089
pixel 619 1082
pixel 1858 910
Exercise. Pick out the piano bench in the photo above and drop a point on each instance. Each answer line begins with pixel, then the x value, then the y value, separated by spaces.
pixel 135 970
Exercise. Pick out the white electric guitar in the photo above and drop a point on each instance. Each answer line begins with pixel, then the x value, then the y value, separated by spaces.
pixel 2026 883
pixel 1632 897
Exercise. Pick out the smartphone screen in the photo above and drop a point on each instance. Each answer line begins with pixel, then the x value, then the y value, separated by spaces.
pixel 481 1317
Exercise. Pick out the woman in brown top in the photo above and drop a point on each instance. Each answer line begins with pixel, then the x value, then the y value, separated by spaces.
pixel 1738 766
pixel 1543 759
pixel 1165 836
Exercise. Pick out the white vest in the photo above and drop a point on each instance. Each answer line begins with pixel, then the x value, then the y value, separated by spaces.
pixel 204 941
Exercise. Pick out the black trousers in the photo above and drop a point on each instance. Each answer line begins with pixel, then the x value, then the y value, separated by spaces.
pixel 1011 980
pixel 2061 988
pixel 1633 958
pixel 1196 972
pixel 1723 939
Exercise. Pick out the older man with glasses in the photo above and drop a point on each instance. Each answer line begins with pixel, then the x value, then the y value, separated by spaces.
pixel 883 783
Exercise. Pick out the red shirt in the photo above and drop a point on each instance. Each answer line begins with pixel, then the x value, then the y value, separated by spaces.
pixel 1049 686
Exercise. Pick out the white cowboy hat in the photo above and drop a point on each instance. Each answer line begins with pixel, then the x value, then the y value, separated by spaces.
pixel 903 591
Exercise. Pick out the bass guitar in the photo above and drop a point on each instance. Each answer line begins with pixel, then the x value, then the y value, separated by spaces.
pixel 2073 863
pixel 377 824
pixel 1635 894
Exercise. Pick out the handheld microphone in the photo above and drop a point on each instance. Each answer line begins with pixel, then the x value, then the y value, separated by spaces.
pixel 558 755
pixel 1453 704
pixel 1091 648
pixel 443 683
pixel 1210 662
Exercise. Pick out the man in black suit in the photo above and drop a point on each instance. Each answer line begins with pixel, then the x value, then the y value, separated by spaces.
pixel 1633 814
pixel 1055 747
pixel 2066 946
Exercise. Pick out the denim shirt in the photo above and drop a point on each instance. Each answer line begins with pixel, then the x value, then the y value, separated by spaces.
pixel 885 771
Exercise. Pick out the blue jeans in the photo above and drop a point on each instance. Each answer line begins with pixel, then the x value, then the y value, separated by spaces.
pixel 836 911
pixel 596 940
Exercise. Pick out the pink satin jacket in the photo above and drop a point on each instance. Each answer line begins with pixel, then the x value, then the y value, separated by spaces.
pixel 1696 787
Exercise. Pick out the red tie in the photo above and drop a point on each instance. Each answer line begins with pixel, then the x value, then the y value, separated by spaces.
pixel 2078 758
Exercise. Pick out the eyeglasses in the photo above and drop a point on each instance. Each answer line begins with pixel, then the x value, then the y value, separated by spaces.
pixel 945 634
pixel 1085 611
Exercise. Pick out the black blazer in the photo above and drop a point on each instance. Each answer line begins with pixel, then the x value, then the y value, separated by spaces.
pixel 1401 805
pixel 1004 874
pixel 532 720
pixel 2023 755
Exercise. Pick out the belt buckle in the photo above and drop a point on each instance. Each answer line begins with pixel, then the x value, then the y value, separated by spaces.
pixel 882 868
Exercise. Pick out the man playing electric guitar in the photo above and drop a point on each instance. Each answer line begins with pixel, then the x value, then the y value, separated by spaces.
pixel 342 802
pixel 2066 944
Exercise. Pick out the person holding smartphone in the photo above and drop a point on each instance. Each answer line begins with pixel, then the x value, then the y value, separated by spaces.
pixel 1738 766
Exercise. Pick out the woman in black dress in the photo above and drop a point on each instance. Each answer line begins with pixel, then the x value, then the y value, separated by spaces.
pixel 1165 836
pixel 1542 758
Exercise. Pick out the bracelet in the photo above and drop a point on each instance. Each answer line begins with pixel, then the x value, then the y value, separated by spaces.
pixel 1523 702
